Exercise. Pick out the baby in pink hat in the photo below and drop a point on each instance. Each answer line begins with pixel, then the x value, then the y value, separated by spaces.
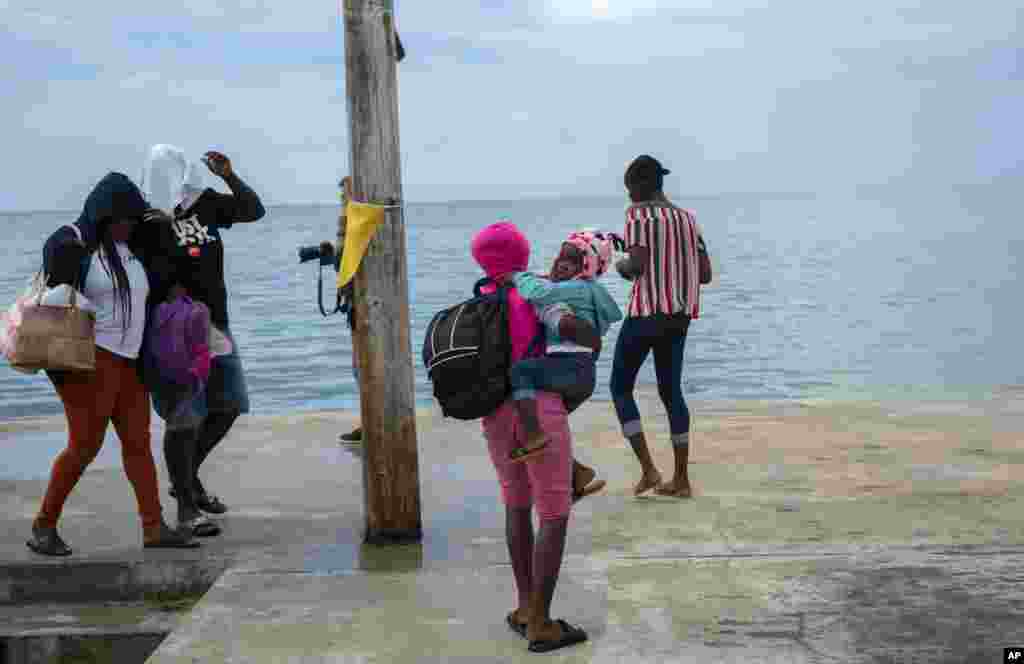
pixel 569 367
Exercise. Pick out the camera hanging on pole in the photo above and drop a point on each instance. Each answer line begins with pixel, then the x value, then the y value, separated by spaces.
pixel 343 303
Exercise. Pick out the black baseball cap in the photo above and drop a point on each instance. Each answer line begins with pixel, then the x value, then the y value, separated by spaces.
pixel 646 173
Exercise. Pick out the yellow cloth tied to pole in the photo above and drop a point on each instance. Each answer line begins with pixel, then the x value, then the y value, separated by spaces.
pixel 361 222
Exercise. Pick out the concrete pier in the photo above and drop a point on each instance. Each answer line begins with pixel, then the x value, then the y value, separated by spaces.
pixel 819 532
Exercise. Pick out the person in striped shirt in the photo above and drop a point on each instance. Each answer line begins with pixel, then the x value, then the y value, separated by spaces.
pixel 667 263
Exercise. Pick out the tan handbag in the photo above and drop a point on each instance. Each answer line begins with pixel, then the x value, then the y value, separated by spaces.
pixel 54 338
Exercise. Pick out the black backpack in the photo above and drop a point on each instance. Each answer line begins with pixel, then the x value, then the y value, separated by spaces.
pixel 468 353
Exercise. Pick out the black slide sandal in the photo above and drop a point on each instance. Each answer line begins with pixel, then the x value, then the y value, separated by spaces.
pixel 48 543
pixel 570 637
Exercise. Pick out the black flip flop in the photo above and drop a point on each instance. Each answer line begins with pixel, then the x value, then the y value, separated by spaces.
pixel 517 627
pixel 521 454
pixel 48 543
pixel 570 637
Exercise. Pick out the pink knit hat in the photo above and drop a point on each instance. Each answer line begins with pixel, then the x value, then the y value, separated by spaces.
pixel 500 249
pixel 596 248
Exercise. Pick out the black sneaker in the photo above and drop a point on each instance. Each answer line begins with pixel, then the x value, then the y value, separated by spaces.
pixel 210 503
pixel 207 502
pixel 169 538
pixel 198 525
pixel 354 437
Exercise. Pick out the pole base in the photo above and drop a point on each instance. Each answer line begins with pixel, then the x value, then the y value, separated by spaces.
pixel 393 536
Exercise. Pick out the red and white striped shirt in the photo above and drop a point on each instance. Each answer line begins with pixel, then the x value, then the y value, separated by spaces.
pixel 671 281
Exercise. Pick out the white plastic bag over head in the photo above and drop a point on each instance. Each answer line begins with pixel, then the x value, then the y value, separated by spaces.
pixel 170 179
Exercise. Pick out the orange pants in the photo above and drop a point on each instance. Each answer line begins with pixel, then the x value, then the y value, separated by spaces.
pixel 113 393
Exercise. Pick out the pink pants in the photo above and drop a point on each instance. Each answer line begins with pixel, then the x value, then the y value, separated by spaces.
pixel 545 480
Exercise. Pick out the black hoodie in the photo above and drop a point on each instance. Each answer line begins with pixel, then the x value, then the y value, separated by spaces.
pixel 114 197
pixel 192 249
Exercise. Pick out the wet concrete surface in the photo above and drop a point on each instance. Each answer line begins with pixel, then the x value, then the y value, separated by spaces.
pixel 838 606
pixel 818 533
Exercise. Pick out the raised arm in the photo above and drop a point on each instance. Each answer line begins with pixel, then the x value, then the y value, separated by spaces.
pixel 247 204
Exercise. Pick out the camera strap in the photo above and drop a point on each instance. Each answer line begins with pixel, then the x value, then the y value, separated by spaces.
pixel 340 307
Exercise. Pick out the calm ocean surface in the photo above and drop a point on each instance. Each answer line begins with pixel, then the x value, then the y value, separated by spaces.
pixel 827 297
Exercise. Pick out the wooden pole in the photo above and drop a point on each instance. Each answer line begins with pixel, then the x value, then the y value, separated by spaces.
pixel 391 493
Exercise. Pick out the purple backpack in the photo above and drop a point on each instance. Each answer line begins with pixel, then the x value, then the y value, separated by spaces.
pixel 180 333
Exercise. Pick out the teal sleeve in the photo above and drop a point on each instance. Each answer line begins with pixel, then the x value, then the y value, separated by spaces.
pixel 536 290
pixel 607 308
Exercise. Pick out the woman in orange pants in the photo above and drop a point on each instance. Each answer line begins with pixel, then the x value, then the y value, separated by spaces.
pixel 95 256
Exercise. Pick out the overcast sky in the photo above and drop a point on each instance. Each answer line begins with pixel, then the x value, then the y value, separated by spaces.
pixel 548 97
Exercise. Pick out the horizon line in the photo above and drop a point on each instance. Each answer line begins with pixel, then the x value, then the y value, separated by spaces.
pixel 854 188
pixel 462 201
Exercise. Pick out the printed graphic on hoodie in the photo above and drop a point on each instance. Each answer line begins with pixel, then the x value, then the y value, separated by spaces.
pixel 190 232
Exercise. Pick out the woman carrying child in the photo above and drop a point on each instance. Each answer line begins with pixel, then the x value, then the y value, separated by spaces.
pixel 544 484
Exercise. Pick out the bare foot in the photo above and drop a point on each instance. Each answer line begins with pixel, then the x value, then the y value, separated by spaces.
pixel 521 616
pixel 675 489
pixel 647 482
pixel 583 476
pixel 517 621
pixel 589 490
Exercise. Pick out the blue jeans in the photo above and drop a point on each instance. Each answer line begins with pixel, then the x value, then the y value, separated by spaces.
pixel 226 390
pixel 573 376
pixel 666 336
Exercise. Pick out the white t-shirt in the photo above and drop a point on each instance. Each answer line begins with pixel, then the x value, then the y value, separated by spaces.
pixel 99 287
